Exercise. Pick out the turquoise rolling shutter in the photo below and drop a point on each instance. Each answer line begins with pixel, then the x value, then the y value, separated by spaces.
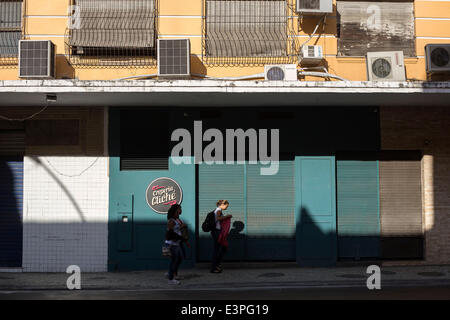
pixel 222 181
pixel 358 217
pixel 270 213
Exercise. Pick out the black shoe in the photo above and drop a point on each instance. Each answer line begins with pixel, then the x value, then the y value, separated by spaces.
pixel 217 270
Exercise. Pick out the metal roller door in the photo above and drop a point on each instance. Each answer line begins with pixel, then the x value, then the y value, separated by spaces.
pixel 401 205
pixel 222 181
pixel 270 213
pixel 358 217
pixel 263 225
pixel 11 199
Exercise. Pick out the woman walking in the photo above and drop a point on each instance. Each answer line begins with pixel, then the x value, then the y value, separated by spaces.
pixel 219 247
pixel 174 238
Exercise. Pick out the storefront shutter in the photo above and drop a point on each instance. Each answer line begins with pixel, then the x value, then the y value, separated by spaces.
pixel 401 205
pixel 216 182
pixel 270 213
pixel 358 218
pixel 12 142
pixel 11 201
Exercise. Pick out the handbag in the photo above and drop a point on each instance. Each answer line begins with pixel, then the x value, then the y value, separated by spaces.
pixel 166 250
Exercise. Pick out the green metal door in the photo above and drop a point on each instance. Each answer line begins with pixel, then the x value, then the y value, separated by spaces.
pixel 316 211
pixel 358 217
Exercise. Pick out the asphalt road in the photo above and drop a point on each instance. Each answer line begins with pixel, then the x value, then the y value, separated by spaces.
pixel 422 292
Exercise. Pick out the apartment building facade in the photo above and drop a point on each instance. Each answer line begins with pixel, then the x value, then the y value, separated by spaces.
pixel 92 92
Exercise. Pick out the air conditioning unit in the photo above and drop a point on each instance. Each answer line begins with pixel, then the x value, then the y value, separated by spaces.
pixel 280 72
pixel 36 59
pixel 174 58
pixel 314 6
pixel 311 55
pixel 386 66
pixel 438 57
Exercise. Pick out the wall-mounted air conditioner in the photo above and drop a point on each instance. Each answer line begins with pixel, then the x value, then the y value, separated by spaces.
pixel 174 58
pixel 311 55
pixel 314 6
pixel 280 72
pixel 386 66
pixel 438 58
pixel 36 59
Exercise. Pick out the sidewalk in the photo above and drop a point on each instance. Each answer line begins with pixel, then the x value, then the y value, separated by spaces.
pixel 233 277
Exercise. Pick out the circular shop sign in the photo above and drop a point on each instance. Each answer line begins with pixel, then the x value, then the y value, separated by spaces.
pixel 162 193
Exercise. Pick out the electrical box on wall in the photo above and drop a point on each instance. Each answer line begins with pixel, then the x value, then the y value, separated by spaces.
pixel 36 59
pixel 280 72
pixel 314 6
pixel 386 66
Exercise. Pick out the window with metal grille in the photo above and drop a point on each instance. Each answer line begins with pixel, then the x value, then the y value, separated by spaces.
pixel 10 30
pixel 247 32
pixel 112 33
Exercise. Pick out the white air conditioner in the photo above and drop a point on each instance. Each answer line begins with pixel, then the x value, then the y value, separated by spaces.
pixel 438 57
pixel 174 58
pixel 311 55
pixel 36 59
pixel 314 6
pixel 280 72
pixel 386 66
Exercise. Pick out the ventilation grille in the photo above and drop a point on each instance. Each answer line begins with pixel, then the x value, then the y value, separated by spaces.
pixel 173 57
pixel 37 59
pixel 144 163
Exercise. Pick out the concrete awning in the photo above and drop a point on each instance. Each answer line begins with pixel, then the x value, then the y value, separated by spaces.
pixel 205 93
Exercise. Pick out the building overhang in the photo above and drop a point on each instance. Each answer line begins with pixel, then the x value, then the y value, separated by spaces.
pixel 214 93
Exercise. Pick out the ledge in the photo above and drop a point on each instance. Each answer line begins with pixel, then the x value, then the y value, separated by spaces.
pixel 223 93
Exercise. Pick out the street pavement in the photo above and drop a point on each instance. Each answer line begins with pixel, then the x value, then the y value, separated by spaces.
pixel 284 281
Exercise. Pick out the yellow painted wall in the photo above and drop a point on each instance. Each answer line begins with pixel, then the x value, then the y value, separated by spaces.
pixel 47 19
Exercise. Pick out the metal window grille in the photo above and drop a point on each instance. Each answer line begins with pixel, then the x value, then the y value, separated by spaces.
pixel 249 32
pixel 112 33
pixel 10 31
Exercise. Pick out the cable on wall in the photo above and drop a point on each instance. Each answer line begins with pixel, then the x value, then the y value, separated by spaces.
pixel 71 175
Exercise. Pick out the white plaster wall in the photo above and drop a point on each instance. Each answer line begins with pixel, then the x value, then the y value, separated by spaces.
pixel 65 218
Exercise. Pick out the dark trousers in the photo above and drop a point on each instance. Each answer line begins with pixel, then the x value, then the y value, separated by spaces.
pixel 218 251
pixel 175 260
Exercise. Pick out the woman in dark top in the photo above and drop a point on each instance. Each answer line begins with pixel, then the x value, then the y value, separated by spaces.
pixel 174 238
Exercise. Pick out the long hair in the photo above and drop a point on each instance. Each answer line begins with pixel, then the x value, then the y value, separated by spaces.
pixel 172 210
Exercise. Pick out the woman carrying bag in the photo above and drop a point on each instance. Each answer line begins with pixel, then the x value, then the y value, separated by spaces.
pixel 175 236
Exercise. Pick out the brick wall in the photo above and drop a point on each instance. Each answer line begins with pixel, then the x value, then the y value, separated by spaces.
pixel 426 129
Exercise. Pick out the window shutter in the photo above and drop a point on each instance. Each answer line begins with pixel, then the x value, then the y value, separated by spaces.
pixel 115 24
pixel 246 28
